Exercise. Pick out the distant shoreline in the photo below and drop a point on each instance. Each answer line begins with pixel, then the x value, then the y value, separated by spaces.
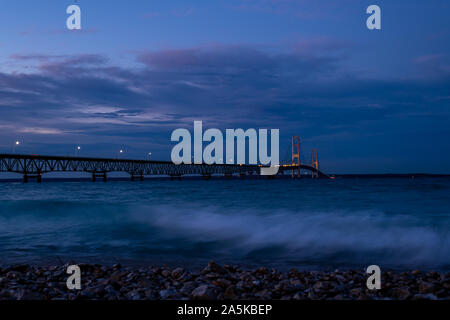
pixel 287 176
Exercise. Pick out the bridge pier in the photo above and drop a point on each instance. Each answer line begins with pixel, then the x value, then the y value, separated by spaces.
pixel 96 175
pixel 26 177
pixel 296 173
pixel 134 176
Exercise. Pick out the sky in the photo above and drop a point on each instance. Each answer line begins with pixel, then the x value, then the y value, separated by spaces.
pixel 370 101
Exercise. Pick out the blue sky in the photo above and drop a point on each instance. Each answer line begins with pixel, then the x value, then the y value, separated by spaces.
pixel 370 101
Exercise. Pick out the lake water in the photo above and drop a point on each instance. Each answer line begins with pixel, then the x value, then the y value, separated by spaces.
pixel 396 223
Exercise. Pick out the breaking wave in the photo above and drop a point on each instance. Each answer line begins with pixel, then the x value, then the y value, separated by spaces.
pixel 325 238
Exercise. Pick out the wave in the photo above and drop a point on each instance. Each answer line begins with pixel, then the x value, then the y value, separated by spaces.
pixel 182 231
pixel 328 238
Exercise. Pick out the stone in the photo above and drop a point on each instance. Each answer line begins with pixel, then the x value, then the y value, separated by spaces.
pixel 21 268
pixel 23 294
pixel 426 287
pixel 299 296
pixel 215 268
pixel 264 294
pixel 223 283
pixel 203 292
pixel 428 296
pixel 177 273
pixel 134 295
pixel 167 294
pixel 165 273
pixel 230 293
pixel 401 293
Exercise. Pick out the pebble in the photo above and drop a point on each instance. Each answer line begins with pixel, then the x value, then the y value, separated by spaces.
pixel 231 282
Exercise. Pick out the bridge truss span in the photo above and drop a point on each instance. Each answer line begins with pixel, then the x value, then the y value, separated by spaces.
pixel 34 166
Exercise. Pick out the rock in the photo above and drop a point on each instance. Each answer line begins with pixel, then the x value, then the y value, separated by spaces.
pixel 284 286
pixel 362 296
pixel 401 293
pixel 187 288
pixel 264 294
pixel 340 278
pixel 223 283
pixel 134 295
pixel 165 273
pixel 23 294
pixel 322 285
pixel 13 274
pixel 428 296
pixel 21 268
pixel 426 287
pixel 149 294
pixel 144 283
pixel 214 267
pixel 203 292
pixel 109 289
pixel 261 271
pixel 215 282
pixel 312 295
pixel 177 273
pixel 167 294
pixel 356 291
pixel 230 293
pixel 299 296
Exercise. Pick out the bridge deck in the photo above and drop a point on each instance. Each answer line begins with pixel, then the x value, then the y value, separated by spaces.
pixel 36 165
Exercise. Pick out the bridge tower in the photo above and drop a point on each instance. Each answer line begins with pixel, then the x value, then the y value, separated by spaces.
pixel 315 163
pixel 296 157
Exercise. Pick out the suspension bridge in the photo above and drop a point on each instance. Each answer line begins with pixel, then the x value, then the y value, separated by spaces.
pixel 34 166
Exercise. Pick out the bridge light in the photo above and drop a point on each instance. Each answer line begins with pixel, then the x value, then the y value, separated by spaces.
pixel 78 148
pixel 15 145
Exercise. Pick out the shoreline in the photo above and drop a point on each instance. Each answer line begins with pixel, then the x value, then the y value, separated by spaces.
pixel 215 282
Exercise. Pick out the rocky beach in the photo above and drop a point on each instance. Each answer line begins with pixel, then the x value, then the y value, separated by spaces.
pixel 215 282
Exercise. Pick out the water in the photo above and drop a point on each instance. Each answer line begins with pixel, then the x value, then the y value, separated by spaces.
pixel 397 223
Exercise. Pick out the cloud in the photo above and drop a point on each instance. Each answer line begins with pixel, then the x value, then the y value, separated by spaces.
pixel 437 65
pixel 303 91
pixel 44 131
pixel 304 9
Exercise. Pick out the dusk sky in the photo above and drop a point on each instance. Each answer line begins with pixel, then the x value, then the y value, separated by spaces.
pixel 369 100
